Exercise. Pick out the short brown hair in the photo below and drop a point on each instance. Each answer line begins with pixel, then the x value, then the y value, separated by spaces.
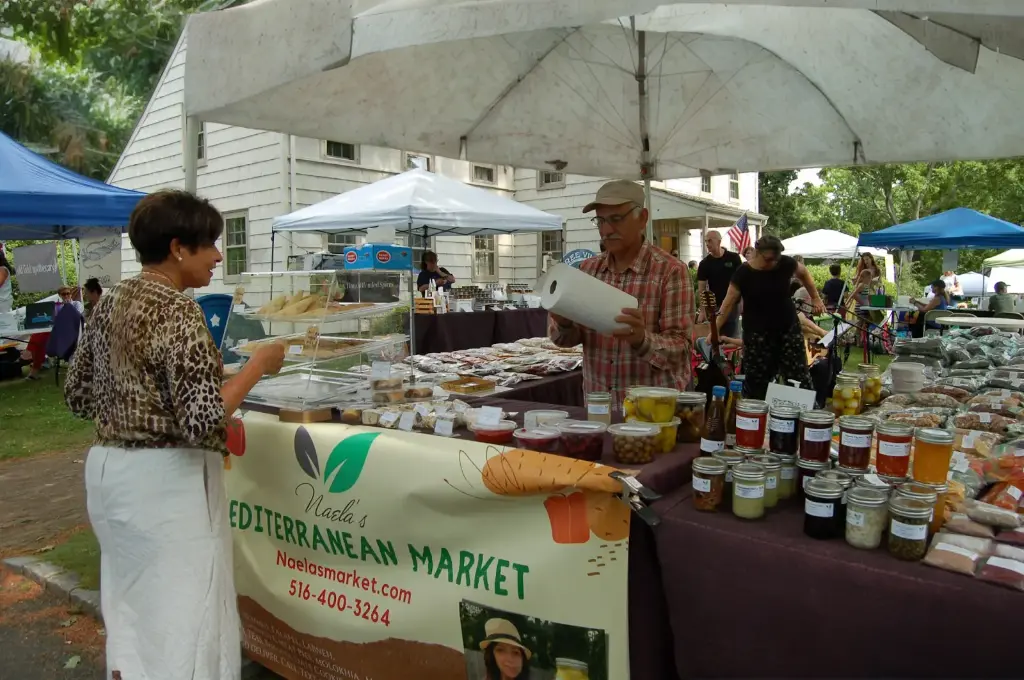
pixel 170 214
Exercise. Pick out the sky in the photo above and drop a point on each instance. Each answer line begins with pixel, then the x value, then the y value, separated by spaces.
pixel 804 176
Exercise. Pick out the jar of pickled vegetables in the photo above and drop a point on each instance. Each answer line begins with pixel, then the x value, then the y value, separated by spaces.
pixel 751 423
pixel 816 434
pixel 908 528
pixel 855 436
pixel 787 477
pixel 846 395
pixel 933 449
pixel 925 493
pixel 772 466
pixel 571 669
pixel 651 404
pixel 867 513
pixel 690 411
pixel 892 457
pixel 782 430
pixel 871 384
pixel 599 407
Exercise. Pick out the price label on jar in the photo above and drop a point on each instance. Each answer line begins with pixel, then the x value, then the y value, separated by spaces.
pixel 730 441
pixel 807 480
pixel 783 425
pixel 771 482
pixel 855 518
pixel 708 446
pixel 911 532
pixel 747 423
pixel 817 434
pixel 749 490
pixel 788 473
pixel 701 484
pixel 598 409
pixel 816 509
pixel 895 449
pixel 857 441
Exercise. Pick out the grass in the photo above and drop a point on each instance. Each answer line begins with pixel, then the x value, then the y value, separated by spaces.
pixel 34 419
pixel 80 554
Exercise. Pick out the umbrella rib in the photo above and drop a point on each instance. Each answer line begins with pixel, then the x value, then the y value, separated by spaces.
pixel 625 125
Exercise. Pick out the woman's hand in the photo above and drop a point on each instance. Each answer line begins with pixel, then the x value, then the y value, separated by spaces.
pixel 269 358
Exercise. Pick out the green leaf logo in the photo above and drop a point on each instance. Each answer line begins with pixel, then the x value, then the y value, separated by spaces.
pixel 346 461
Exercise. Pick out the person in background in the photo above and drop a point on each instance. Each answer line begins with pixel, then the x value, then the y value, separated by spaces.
pixel 93 293
pixel 6 284
pixel 1002 302
pixel 773 340
pixel 429 271
pixel 748 253
pixel 833 288
pixel 953 288
pixel 653 345
pixel 68 296
pixel 675 254
pixel 714 273
pixel 940 299
pixel 150 377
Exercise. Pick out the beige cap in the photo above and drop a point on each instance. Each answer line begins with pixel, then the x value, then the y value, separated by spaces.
pixel 617 192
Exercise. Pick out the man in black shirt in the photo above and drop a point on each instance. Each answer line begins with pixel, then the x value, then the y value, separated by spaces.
pixel 714 273
pixel 833 288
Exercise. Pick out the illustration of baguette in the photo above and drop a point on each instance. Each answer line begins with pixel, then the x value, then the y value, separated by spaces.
pixel 607 515
pixel 520 472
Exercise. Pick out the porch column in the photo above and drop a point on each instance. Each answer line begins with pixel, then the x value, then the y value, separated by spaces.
pixel 703 236
pixel 191 153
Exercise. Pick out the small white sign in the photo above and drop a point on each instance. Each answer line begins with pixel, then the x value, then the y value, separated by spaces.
pixel 489 415
pixel 787 395
pixel 421 409
pixel 294 349
pixel 388 418
pixel 238 309
pixel 444 427
pixel 380 370
pixel 407 420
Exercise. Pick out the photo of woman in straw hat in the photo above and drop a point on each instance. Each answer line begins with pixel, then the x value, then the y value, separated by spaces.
pixel 505 655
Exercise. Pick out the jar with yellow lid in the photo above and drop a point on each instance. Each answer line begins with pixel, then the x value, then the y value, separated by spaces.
pixel 571 669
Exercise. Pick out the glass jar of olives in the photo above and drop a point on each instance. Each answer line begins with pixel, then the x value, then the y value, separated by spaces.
pixel 908 528
pixel 690 411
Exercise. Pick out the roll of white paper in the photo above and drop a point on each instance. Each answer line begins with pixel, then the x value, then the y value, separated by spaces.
pixel 581 298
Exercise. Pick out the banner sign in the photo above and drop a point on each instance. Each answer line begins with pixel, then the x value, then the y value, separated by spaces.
pixel 380 554
pixel 574 257
pixel 99 256
pixel 36 268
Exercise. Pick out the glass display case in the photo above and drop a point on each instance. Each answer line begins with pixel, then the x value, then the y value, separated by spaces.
pixel 330 341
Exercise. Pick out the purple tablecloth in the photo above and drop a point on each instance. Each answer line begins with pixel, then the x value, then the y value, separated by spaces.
pixel 468 330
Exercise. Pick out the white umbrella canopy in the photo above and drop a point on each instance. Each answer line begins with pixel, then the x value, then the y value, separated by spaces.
pixel 554 84
pixel 1009 258
pixel 826 244
pixel 431 204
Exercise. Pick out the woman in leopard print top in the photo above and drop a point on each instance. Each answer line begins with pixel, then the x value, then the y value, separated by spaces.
pixel 150 377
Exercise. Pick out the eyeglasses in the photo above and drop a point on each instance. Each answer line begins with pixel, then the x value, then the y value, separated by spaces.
pixel 613 219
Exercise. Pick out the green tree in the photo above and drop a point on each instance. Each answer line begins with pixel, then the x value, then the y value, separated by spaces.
pixel 785 217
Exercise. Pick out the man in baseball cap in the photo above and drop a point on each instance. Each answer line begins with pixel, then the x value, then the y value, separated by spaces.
pixel 653 345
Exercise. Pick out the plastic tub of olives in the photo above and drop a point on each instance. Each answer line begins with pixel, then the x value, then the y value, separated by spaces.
pixel 634 443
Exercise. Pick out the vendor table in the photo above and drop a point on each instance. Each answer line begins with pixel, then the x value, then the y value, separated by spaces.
pixel 801 608
pixel 468 330
pixel 1002 324
pixel 565 389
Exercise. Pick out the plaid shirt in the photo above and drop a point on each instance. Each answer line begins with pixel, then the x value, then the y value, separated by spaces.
pixel 661 284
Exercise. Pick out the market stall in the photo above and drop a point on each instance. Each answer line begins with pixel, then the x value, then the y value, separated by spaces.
pixel 454 331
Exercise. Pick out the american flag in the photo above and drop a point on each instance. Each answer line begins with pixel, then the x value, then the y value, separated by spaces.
pixel 739 234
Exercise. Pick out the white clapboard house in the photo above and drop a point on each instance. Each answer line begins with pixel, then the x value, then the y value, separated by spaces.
pixel 253 176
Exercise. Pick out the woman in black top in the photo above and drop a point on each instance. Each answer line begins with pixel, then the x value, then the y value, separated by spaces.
pixel 772 339
pixel 430 271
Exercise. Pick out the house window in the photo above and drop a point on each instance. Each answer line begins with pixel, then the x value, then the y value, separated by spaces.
pixel 705 182
pixel 341 151
pixel 415 160
pixel 483 174
pixel 485 259
pixel 419 245
pixel 236 245
pixel 550 180
pixel 550 249
pixel 336 243
pixel 734 186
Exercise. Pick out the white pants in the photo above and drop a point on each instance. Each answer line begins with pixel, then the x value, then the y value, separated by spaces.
pixel 166 581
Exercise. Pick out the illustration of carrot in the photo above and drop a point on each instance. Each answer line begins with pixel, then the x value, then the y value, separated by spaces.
pixel 607 515
pixel 519 472
pixel 568 518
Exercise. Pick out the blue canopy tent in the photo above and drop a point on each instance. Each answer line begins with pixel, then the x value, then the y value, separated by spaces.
pixel 42 200
pixel 951 230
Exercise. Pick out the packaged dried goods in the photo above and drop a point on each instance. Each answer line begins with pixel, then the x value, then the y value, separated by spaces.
pixel 939 400
pixel 929 347
pixel 953 558
pixel 1013 536
pixel 970 384
pixel 915 418
pixel 708 483
pixel 991 515
pixel 956 393
pixel 1011 397
pixel 975 442
pixel 975 363
pixel 690 411
pixel 1004 495
pixel 543 440
pixel 897 402
pixel 966 477
pixel 582 439
pixel 1010 552
pixel 960 523
pixel 997 408
pixel 1002 571
pixel 634 443
pixel 986 422
pixel 981 545
pixel 1003 468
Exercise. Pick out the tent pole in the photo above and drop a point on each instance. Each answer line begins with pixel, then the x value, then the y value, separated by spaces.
pixel 190 153
pixel 412 307
pixel 646 167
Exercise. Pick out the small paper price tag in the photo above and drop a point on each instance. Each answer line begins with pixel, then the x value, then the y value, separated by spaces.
pixel 241 342
pixel 444 427
pixel 489 415
pixel 960 462
pixel 388 419
pixel 294 349
pixel 238 309
pixel 380 370
pixel 421 409
pixel 407 420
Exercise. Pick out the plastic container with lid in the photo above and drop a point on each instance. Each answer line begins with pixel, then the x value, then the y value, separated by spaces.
pixel 731 460
pixel 690 411
pixel 787 477
pixel 751 423
pixel 539 439
pixel 823 516
pixel 908 528
pixel 748 491
pixel 933 449
pixel 783 437
pixel 855 436
pixel 892 456
pixel 867 511
pixel 543 418
pixel 499 433
pixel 651 404
pixel 667 436
pixel 871 384
pixel 571 669
pixel 583 439
pixel 846 397
pixel 772 467
pixel 708 483
pixel 634 443
pixel 806 471
pixel 599 407
pixel 816 434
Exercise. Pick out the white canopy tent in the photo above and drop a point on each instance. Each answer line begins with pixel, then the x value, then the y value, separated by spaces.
pixel 1010 258
pixel 425 202
pixel 825 244
pixel 979 285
